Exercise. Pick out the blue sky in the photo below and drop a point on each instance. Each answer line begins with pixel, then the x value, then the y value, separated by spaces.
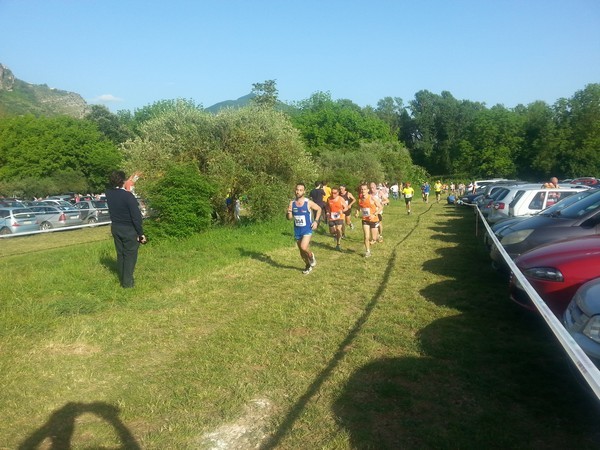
pixel 128 54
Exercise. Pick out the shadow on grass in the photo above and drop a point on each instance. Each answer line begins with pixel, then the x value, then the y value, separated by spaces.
pixel 110 263
pixel 59 428
pixel 492 376
pixel 296 410
pixel 264 259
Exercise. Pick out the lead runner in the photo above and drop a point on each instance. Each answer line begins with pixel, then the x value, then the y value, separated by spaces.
pixel 300 209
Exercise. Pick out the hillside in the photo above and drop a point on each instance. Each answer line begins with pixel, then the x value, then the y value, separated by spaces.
pixel 18 97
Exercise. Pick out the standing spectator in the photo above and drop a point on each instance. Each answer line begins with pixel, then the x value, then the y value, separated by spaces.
pixel 552 184
pixel 395 190
pixel 126 226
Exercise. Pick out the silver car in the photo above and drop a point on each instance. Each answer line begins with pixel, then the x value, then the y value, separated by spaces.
pixel 93 211
pixel 50 216
pixel 582 319
pixel 17 220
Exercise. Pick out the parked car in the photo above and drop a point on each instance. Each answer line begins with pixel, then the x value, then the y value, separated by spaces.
pixel 54 201
pixel 557 270
pixel 500 206
pixel 586 181
pixel 12 202
pixel 485 203
pixel 93 211
pixel 528 202
pixel 582 319
pixel 17 220
pixel 580 219
pixel 499 227
pixel 51 216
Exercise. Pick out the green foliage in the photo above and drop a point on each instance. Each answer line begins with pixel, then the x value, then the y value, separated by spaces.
pixel 265 94
pixel 340 124
pixel 109 124
pixel 43 147
pixel 181 200
pixel 157 109
pixel 243 152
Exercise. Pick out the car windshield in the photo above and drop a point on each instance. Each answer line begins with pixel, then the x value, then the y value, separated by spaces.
pixel 567 201
pixel 582 207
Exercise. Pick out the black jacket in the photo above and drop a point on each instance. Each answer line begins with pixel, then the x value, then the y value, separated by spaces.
pixel 124 209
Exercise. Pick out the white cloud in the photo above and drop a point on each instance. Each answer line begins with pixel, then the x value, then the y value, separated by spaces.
pixel 107 98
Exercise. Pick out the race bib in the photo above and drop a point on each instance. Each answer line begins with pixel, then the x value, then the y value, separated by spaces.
pixel 300 221
pixel 335 215
pixel 366 212
pixel 408 196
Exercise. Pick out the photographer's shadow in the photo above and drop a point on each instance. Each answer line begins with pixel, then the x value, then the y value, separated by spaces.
pixel 264 258
pixel 59 428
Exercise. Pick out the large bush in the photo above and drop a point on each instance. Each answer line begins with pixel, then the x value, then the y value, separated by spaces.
pixel 252 152
pixel 181 200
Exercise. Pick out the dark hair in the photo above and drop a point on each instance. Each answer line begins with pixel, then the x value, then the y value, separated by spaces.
pixel 117 178
pixel 301 184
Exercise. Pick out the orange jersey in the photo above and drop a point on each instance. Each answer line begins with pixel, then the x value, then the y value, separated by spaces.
pixel 335 208
pixel 368 209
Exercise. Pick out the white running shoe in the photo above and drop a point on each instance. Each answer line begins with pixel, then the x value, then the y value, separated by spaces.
pixel 307 270
pixel 313 261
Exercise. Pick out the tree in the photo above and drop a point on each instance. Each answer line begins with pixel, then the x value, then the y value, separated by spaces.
pixel 253 152
pixel 265 94
pixel 109 124
pixel 41 147
pixel 340 124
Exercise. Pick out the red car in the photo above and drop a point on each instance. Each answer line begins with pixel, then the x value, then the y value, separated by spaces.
pixel 556 271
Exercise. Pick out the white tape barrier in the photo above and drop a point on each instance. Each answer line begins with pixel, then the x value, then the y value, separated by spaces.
pixel 585 366
pixel 75 227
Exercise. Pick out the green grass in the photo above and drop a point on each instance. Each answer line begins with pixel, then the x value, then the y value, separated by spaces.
pixel 416 347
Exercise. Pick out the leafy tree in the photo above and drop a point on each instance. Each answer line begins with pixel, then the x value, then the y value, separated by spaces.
pixel 109 124
pixel 265 94
pixel 253 152
pixel 341 124
pixel 155 110
pixel 42 147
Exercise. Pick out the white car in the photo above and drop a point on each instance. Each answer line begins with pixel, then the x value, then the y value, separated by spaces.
pixel 499 208
pixel 528 202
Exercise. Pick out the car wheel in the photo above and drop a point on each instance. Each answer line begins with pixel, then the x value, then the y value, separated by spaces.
pixel 45 226
pixel 5 231
pixel 92 220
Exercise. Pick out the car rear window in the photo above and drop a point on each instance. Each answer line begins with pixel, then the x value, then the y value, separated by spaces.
pixel 24 215
pixel 99 204
pixel 582 207
pixel 518 195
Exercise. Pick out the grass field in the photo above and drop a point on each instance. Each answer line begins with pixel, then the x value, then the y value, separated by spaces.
pixel 225 344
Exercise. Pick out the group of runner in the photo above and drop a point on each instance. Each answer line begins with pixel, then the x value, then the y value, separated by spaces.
pixel 333 206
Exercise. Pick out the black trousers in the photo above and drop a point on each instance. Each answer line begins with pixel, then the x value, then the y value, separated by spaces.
pixel 126 245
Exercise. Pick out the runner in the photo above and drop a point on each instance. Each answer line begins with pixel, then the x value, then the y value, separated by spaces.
pixel 380 195
pixel 370 209
pixel 425 188
pixel 437 187
pixel 408 193
pixel 335 216
pixel 350 200
pixel 300 210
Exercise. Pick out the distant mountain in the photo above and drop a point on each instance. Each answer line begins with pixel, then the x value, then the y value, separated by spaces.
pixel 19 98
pixel 239 103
